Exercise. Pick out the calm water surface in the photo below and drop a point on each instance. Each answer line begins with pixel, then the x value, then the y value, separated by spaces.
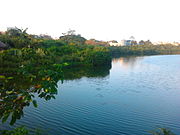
pixel 138 95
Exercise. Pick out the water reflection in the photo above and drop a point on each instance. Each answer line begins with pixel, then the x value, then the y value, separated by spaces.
pixel 18 90
pixel 139 93
pixel 127 62
pixel 79 72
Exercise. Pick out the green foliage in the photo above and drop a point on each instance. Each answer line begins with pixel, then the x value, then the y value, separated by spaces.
pixel 16 131
pixel 24 131
pixel 35 69
pixel 20 131
pixel 40 69
pixel 16 38
pixel 73 39
pixel 144 50
pixel 55 50
pixel 98 56
pixel 161 131
pixel 16 95
pixel 50 43
pixel 81 55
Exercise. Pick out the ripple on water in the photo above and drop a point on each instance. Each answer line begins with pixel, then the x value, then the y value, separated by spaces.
pixel 133 99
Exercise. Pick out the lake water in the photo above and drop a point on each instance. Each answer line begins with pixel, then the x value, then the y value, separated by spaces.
pixel 138 94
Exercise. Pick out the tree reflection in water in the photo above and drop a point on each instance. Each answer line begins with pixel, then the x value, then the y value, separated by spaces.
pixel 18 90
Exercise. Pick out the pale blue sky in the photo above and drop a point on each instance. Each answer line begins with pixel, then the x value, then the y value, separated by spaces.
pixel 100 19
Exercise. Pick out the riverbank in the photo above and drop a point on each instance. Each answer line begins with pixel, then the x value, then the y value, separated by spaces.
pixel 144 50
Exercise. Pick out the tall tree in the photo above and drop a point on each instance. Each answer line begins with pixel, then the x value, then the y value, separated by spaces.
pixel 71 38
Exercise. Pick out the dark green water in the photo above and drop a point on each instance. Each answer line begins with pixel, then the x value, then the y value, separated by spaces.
pixel 136 95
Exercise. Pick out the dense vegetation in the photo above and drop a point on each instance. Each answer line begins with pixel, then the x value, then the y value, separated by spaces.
pixel 144 50
pixel 67 49
pixel 74 49
pixel 39 62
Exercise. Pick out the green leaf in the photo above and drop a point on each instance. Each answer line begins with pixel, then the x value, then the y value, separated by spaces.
pixel 13 120
pixel 10 78
pixel 65 64
pixel 2 77
pixel 5 118
pixel 35 103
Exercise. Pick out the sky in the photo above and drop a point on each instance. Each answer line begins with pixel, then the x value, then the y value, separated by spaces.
pixel 156 20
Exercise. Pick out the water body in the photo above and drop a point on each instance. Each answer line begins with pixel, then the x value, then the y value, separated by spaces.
pixel 138 94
